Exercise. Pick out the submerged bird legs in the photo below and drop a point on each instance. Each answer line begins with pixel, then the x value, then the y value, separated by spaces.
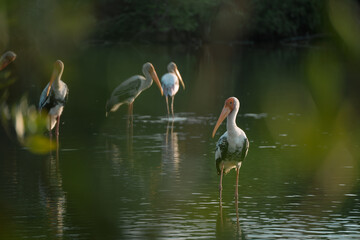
pixel 236 185
pixel 172 105
pixel 130 114
pixel 220 186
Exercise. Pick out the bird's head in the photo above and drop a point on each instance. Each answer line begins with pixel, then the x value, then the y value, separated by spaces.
pixel 229 106
pixel 6 59
pixel 148 68
pixel 56 74
pixel 172 68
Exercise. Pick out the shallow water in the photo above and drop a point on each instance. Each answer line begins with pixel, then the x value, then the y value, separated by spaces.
pixel 157 179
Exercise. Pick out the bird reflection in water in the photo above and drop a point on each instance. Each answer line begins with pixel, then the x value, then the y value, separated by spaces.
pixel 130 133
pixel 226 228
pixel 171 154
pixel 53 195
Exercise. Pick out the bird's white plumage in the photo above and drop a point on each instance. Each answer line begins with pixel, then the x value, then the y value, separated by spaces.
pixel 170 84
pixel 234 145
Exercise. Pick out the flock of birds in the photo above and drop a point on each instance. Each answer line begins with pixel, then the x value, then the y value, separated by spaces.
pixel 231 148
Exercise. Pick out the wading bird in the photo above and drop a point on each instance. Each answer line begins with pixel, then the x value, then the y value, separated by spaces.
pixel 232 146
pixel 170 85
pixel 6 59
pixel 54 97
pixel 128 90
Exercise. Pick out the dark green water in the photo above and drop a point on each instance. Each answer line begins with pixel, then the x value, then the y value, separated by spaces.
pixel 158 180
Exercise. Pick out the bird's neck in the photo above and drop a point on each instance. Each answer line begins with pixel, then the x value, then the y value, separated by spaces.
pixel 56 82
pixel 149 80
pixel 231 121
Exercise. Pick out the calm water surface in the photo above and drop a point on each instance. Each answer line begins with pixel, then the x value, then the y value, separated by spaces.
pixel 157 180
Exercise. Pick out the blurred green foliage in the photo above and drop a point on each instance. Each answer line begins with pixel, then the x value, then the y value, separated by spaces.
pixel 153 20
pixel 184 21
pixel 283 19
pixel 25 120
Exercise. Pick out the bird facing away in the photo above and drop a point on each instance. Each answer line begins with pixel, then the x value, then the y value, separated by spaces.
pixel 128 90
pixel 232 147
pixel 54 97
pixel 6 59
pixel 170 85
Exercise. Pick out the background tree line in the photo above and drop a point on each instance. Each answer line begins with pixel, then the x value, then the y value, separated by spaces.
pixel 207 20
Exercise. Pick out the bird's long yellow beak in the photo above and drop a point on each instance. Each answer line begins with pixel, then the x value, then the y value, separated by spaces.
pixel 180 78
pixel 224 113
pixel 53 76
pixel 57 72
pixel 156 80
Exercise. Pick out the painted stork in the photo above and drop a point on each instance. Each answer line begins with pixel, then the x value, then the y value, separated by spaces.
pixel 170 85
pixel 128 90
pixel 232 146
pixel 54 97
pixel 6 59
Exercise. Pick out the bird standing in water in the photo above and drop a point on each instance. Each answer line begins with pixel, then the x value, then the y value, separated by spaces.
pixel 232 147
pixel 170 85
pixel 54 97
pixel 128 90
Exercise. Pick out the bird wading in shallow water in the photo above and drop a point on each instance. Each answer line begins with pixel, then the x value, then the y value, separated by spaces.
pixel 170 85
pixel 232 147
pixel 54 97
pixel 6 59
pixel 128 90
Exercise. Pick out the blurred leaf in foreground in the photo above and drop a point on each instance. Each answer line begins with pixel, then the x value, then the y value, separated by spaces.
pixel 30 126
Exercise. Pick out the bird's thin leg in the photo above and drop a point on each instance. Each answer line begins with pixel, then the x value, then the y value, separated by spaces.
pixel 167 105
pixel 57 131
pixel 172 105
pixel 167 133
pixel 130 114
pixel 50 133
pixel 57 126
pixel 237 198
pixel 237 184
pixel 221 217
pixel 130 109
pixel 57 150
pixel 220 185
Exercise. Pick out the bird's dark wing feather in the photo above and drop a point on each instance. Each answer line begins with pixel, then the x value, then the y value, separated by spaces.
pixel 222 148
pixel 127 90
pixel 245 149
pixel 50 101
pixel 47 102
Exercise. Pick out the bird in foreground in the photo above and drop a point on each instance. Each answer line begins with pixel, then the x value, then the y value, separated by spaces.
pixel 128 90
pixel 170 85
pixel 6 59
pixel 54 97
pixel 232 147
